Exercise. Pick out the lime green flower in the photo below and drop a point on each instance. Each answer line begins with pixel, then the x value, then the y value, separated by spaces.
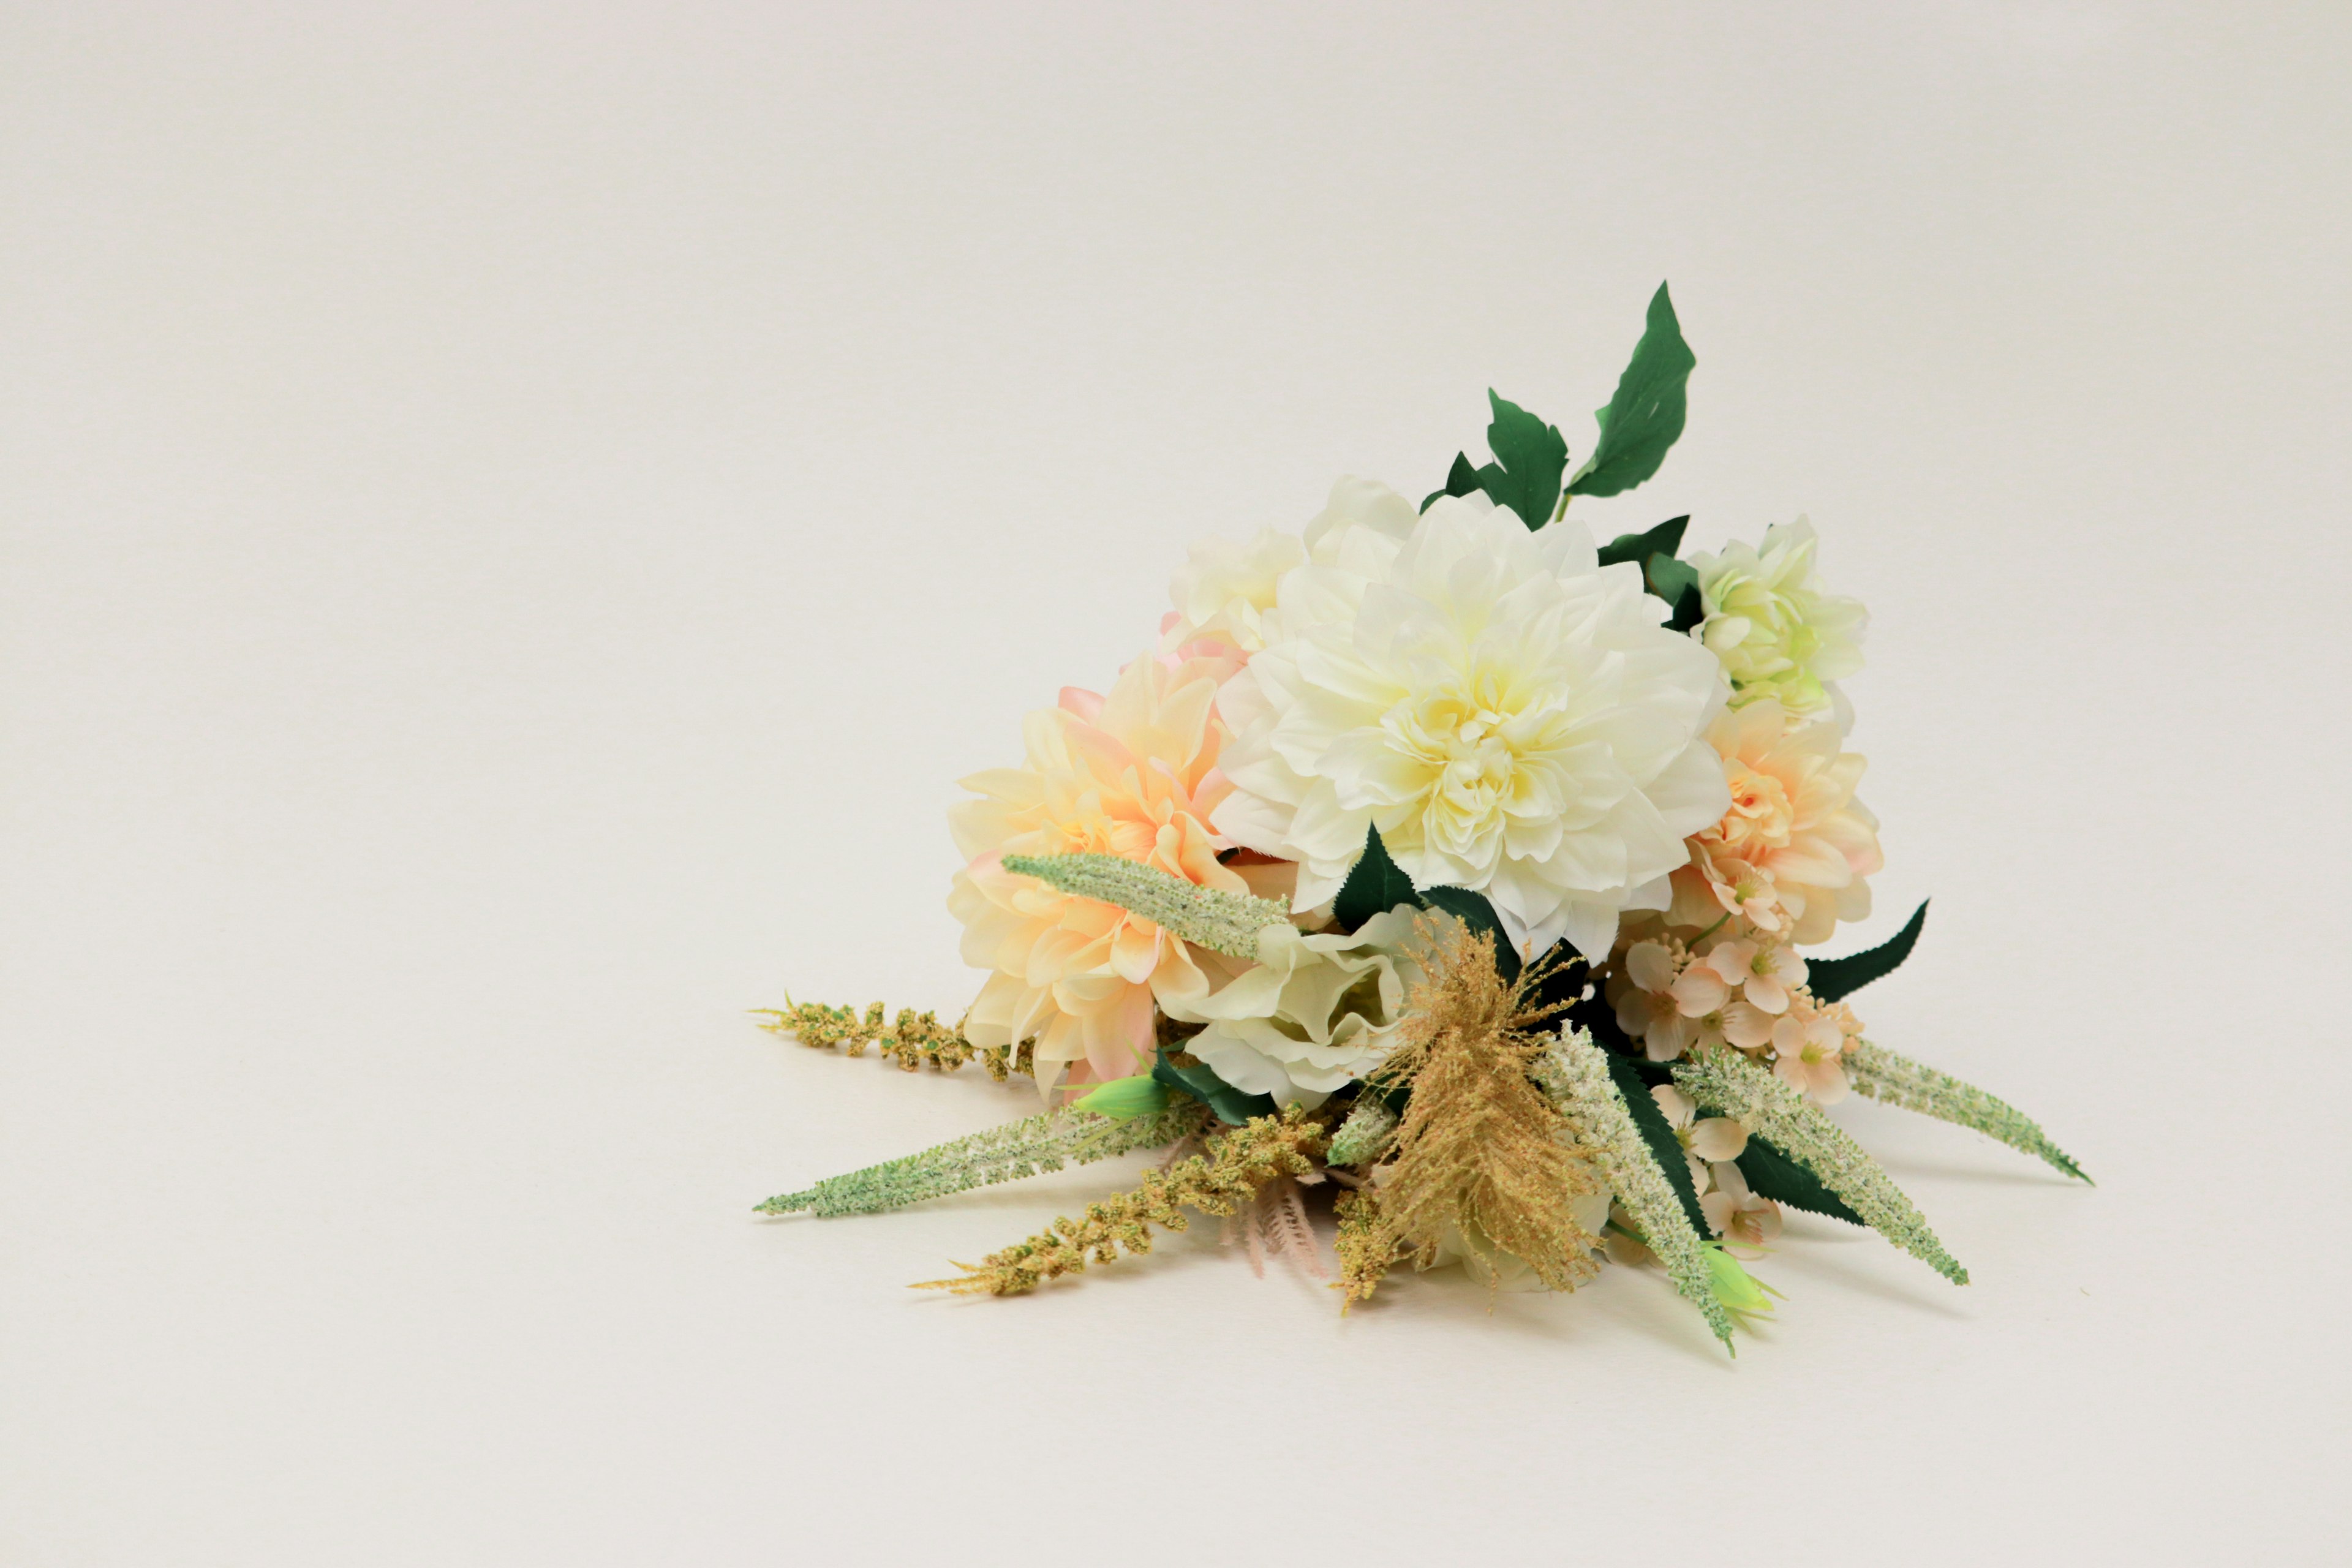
pixel 1776 633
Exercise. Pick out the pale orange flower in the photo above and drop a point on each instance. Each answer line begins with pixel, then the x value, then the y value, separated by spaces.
pixel 1791 855
pixel 1131 772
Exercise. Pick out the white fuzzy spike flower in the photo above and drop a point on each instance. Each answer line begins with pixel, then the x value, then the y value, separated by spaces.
pixel 1510 715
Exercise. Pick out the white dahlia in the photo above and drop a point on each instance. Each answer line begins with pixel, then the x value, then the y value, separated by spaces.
pixel 1510 715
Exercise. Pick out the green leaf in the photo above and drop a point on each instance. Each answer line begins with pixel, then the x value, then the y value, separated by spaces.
pixel 1774 1175
pixel 1233 1105
pixel 1124 1099
pixel 1659 1134
pixel 1675 582
pixel 1473 910
pixel 1374 886
pixel 1664 540
pixel 1646 414
pixel 1530 458
pixel 1460 480
pixel 1832 979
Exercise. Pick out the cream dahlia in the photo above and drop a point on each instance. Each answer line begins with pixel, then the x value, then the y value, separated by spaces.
pixel 1132 773
pixel 1510 715
pixel 1778 634
pixel 1790 855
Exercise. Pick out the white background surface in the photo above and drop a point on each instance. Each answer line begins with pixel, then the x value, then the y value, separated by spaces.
pixel 516 517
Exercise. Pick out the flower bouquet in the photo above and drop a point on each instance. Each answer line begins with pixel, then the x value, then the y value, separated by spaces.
pixel 1444 861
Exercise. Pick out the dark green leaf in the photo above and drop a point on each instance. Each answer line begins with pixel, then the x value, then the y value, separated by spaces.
pixel 1659 1134
pixel 1675 582
pixel 1646 414
pixel 1666 539
pixel 1774 1175
pixel 1232 1106
pixel 1459 481
pixel 1830 979
pixel 1374 886
pixel 1530 458
pixel 1473 910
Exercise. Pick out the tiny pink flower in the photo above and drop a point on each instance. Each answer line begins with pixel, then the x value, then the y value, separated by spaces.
pixel 1806 1054
pixel 1764 974
pixel 1737 1214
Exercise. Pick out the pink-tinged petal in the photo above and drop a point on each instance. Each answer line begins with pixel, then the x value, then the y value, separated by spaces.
pixel 1649 965
pixel 1766 993
pixel 1677 1107
pixel 1829 1085
pixel 1634 1013
pixel 1788 1036
pixel 1792 1069
pixel 1810 861
pixel 1789 965
pixel 1078 701
pixel 1718 1138
pixel 1731 960
pixel 1135 948
pixel 1699 992
pixel 1668 1037
pixel 1718 1207
pixel 1747 1026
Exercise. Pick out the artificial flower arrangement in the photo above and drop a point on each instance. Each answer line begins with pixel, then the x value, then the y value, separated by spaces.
pixel 1442 860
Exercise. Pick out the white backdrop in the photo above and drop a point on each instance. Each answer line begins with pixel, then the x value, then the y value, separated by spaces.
pixel 516 516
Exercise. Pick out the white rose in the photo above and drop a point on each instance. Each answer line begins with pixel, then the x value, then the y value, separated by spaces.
pixel 1314 1014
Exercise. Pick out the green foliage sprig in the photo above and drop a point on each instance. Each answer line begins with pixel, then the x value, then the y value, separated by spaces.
pixel 1219 921
pixel 1046 1141
pixel 1722 1080
pixel 1575 1074
pixel 1894 1079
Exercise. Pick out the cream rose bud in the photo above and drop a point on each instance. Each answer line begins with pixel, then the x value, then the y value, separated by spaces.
pixel 1778 634
pixel 1315 1013
pixel 1509 714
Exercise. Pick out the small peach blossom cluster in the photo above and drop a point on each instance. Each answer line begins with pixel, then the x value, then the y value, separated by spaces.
pixel 1744 992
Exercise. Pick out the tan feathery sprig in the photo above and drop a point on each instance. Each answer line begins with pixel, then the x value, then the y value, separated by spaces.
pixel 1481 1155
pixel 1220 1181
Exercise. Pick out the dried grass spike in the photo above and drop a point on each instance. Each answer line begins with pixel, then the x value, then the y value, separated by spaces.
pixel 913 1039
pixel 1219 1183
pixel 1366 1248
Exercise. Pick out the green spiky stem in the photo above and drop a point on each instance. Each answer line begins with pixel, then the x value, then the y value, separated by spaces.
pixel 1365 1136
pixel 1046 1141
pixel 1221 921
pixel 1893 1080
pixel 1723 1080
pixel 1573 1074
